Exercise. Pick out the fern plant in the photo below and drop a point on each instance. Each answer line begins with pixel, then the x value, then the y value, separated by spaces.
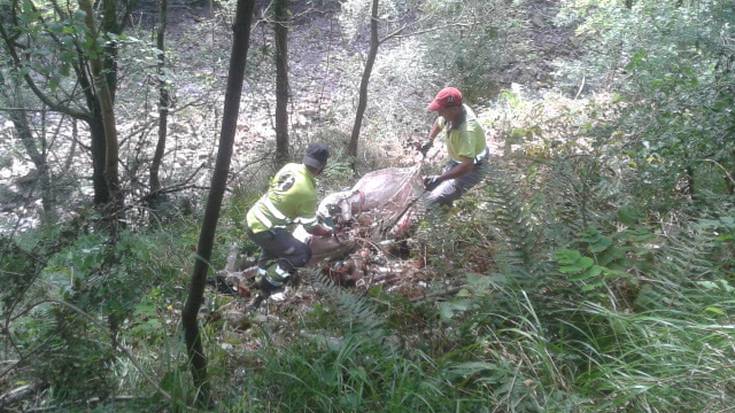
pixel 356 313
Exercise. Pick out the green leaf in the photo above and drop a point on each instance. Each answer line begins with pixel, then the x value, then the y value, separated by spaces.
pixel 145 310
pixel 610 255
pixel 715 310
pixel 479 283
pixel 637 60
pixel 448 309
pixel 53 84
pixel 600 245
pixel 471 368
pixel 725 286
pixel 716 285
pixel 591 287
pixel 592 272
pixel 707 285
pixel 464 293
pixel 581 265
pixel 638 235
pixel 567 256
pixel 629 215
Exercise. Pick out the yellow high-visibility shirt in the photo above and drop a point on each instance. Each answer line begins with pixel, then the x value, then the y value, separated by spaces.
pixel 291 199
pixel 466 140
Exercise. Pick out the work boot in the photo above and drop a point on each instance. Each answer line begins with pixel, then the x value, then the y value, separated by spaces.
pixel 294 281
pixel 265 287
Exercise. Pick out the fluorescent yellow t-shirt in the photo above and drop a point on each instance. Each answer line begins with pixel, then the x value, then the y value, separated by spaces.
pixel 291 199
pixel 466 140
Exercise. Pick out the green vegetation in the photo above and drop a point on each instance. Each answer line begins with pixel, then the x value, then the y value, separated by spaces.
pixel 593 270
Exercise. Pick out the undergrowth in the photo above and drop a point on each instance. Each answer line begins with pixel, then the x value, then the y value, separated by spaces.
pixel 592 270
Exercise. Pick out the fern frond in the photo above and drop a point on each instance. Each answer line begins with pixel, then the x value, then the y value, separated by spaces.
pixel 514 222
pixel 359 314
pixel 687 255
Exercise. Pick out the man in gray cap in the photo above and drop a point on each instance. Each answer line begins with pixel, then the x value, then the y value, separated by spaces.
pixel 291 199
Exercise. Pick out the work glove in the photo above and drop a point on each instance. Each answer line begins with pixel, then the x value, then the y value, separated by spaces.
pixel 329 223
pixel 431 182
pixel 425 146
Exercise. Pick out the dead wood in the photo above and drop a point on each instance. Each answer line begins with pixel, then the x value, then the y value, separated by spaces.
pixel 437 294
pixel 19 394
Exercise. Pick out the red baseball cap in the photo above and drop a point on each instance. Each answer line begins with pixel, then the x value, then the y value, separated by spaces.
pixel 446 98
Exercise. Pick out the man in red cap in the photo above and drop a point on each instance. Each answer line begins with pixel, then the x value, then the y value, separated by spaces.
pixel 466 146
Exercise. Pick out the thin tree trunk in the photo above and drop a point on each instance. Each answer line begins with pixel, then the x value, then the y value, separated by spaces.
pixel 105 100
pixel 73 150
pixel 97 137
pixel 362 102
pixel 730 185
pixel 163 103
pixel 11 93
pixel 39 161
pixel 99 183
pixel 110 24
pixel 280 11
pixel 241 37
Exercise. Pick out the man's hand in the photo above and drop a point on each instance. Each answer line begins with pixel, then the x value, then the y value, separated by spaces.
pixel 431 182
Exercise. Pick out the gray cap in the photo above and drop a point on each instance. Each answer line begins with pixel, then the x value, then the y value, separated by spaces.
pixel 316 155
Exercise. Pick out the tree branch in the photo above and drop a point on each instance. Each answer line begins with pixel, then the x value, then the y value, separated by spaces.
pixel 397 33
pixel 17 63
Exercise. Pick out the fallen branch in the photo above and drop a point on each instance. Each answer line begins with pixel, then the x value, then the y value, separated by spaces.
pixel 437 294
pixel 19 394
pixel 581 86
pixel 91 402
pixel 727 173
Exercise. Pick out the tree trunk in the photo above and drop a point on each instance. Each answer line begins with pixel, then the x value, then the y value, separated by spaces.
pixel 280 11
pixel 110 24
pixel 362 102
pixel 99 183
pixel 107 113
pixel 97 137
pixel 241 36
pixel 163 103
